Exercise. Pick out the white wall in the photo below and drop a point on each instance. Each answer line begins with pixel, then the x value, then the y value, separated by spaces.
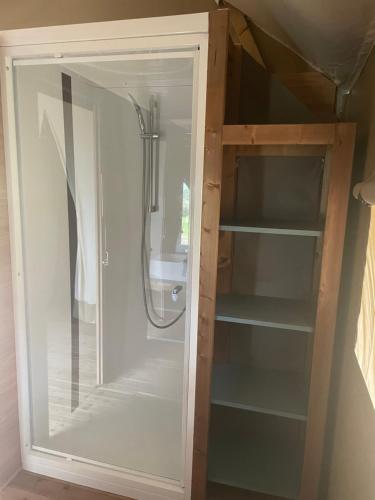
pixel 30 13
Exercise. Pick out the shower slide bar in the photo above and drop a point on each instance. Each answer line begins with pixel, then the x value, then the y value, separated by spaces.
pixel 154 163
pixel 150 139
pixel 150 144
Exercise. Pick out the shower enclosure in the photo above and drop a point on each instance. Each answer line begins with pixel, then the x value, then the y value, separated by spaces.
pixel 105 152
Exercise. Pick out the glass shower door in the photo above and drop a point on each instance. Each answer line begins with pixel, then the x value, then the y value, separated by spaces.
pixel 104 151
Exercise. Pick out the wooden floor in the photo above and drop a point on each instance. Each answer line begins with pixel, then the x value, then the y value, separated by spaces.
pixel 28 486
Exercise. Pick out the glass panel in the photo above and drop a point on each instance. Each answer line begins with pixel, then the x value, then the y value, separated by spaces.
pixel 104 159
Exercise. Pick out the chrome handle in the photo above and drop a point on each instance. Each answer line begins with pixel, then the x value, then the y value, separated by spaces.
pixel 105 260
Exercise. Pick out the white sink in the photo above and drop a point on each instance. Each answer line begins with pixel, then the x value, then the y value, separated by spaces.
pixel 171 267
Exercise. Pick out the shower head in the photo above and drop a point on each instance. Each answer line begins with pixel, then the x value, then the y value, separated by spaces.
pixel 138 110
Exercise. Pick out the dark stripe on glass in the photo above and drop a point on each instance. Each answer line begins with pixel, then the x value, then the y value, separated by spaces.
pixel 73 234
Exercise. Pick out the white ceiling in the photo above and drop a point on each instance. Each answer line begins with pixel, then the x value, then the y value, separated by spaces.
pixel 335 36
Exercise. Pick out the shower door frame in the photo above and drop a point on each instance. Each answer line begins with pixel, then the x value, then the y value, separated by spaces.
pixel 93 40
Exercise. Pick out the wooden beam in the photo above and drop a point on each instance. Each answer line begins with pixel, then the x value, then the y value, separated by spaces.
pixel 233 86
pixel 229 171
pixel 288 150
pixel 340 167
pixel 239 25
pixel 215 110
pixel 321 133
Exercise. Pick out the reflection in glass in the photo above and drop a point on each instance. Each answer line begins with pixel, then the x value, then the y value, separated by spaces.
pixel 107 383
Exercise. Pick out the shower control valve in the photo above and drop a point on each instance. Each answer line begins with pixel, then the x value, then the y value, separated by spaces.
pixel 176 290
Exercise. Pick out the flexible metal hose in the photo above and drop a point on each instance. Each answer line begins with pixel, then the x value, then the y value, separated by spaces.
pixel 145 252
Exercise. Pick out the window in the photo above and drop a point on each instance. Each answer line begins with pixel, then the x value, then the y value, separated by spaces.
pixel 185 217
pixel 365 344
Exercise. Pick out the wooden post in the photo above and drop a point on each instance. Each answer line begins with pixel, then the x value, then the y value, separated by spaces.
pixel 341 156
pixel 215 110
pixel 229 174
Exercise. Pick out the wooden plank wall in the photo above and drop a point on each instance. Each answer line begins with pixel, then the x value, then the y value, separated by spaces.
pixel 215 109
pixel 10 459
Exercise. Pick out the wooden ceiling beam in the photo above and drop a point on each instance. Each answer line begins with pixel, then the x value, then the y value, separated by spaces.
pixel 240 27
pixel 316 133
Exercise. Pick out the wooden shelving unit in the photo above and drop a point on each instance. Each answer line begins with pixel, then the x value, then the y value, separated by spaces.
pixel 258 427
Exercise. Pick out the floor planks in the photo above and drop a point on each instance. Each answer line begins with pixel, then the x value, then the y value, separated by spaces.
pixel 28 486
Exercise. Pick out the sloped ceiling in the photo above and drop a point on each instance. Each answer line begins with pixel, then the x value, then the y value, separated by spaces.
pixel 335 36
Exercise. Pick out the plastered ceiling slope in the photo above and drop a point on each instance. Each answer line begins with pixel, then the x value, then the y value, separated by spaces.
pixel 334 36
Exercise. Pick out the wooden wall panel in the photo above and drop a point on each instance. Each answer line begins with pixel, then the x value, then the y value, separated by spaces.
pixel 10 459
pixel 215 109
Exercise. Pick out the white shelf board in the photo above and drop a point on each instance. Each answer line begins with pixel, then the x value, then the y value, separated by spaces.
pixel 272 227
pixel 264 311
pixel 256 463
pixel 272 392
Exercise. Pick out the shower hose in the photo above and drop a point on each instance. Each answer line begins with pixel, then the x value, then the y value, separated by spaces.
pixel 145 251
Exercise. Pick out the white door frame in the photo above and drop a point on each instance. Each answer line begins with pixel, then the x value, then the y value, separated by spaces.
pixel 114 38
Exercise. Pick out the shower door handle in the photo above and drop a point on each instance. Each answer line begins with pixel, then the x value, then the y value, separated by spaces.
pixel 105 260
pixel 104 251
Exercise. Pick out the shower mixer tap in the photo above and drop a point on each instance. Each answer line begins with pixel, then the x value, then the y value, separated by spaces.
pixel 176 290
